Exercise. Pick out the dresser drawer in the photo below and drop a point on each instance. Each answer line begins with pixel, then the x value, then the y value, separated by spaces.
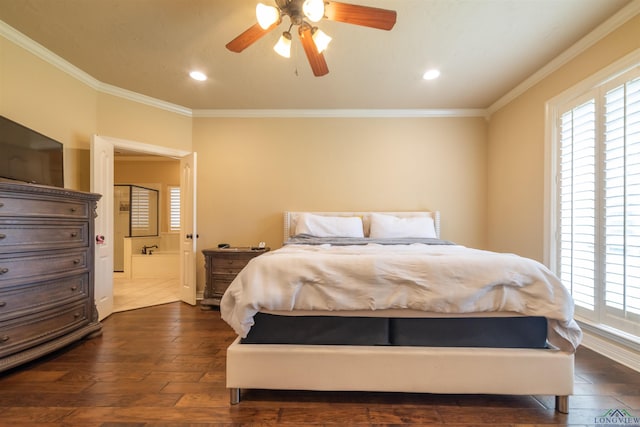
pixel 17 269
pixel 42 208
pixel 23 300
pixel 28 237
pixel 27 331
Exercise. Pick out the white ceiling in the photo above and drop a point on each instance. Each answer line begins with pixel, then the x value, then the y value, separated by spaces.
pixel 484 48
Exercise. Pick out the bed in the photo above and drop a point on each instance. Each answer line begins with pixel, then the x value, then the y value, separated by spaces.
pixel 376 301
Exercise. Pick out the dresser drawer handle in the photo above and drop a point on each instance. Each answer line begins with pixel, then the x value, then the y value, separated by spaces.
pixel 73 209
pixel 1 205
pixel 76 315
pixel 4 270
pixel 74 234
pixel 74 288
pixel 3 303
pixel 4 338
pixel 76 261
pixel 2 236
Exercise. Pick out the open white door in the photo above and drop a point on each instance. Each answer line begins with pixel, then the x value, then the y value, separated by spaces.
pixel 102 183
pixel 188 232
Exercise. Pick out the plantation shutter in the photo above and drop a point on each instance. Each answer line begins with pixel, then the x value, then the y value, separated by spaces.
pixel 622 200
pixel 577 202
pixel 174 208
pixel 139 208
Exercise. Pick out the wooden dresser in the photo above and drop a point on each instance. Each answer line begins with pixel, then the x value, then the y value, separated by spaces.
pixel 46 270
pixel 222 266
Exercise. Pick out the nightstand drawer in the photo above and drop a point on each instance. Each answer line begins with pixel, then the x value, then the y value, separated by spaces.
pixel 222 266
pixel 30 237
pixel 23 300
pixel 17 269
pixel 42 208
pixel 228 265
pixel 27 331
pixel 220 282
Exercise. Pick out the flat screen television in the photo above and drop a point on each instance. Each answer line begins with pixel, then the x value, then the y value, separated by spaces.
pixel 28 156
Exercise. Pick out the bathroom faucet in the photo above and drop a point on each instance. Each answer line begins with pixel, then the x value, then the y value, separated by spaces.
pixel 145 248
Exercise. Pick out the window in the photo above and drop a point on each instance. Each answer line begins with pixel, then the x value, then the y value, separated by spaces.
pixel 596 249
pixel 174 208
pixel 139 208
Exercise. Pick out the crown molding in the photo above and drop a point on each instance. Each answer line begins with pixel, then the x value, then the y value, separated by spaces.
pixel 144 99
pixel 46 55
pixel 604 29
pixel 65 66
pixel 589 40
pixel 340 113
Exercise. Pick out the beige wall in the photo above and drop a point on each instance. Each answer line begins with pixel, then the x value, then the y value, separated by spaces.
pixel 123 119
pixel 43 98
pixel 251 170
pixel 517 143
pixel 50 101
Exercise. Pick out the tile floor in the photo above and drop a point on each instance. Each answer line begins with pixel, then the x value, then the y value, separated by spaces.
pixel 130 294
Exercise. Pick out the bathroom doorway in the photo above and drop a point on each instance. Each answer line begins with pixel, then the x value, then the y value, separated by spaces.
pixel 146 242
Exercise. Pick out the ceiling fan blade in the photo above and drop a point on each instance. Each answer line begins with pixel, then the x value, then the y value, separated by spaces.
pixel 249 37
pixel 316 60
pixel 382 19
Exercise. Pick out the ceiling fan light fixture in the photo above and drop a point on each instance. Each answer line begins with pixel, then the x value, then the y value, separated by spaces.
pixel 313 10
pixel 283 47
pixel 321 39
pixel 267 15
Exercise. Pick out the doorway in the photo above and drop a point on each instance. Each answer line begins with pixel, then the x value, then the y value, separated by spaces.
pixel 145 245
pixel 102 182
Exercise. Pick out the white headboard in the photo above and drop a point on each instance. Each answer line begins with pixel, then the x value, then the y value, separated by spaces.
pixel 291 218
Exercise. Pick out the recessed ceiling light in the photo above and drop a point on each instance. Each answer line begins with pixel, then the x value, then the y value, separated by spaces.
pixel 431 74
pixel 198 75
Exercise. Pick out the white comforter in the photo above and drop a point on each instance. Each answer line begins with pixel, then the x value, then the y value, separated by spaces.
pixel 433 278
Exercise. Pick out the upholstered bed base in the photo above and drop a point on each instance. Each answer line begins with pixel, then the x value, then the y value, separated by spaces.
pixel 400 369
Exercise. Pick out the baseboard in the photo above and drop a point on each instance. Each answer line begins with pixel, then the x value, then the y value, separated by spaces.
pixel 613 350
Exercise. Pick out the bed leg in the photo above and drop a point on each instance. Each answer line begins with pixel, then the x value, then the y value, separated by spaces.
pixel 234 396
pixel 562 404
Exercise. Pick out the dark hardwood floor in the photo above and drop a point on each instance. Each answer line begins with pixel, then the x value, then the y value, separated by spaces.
pixel 165 366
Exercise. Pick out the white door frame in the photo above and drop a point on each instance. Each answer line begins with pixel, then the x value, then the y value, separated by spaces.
pixel 142 148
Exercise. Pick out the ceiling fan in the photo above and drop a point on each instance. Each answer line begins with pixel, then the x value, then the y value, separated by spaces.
pixel 304 13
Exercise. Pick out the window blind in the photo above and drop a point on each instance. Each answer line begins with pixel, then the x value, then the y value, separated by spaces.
pixel 598 202
pixel 174 208
pixel 622 199
pixel 577 202
pixel 139 208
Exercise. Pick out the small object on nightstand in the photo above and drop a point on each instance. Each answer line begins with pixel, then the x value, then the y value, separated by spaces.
pixel 223 245
pixel 260 246
pixel 222 265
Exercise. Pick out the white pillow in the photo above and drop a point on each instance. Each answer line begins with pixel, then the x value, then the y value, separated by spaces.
pixel 329 226
pixel 389 227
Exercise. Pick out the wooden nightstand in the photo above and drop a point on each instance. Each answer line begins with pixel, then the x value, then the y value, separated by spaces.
pixel 222 266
